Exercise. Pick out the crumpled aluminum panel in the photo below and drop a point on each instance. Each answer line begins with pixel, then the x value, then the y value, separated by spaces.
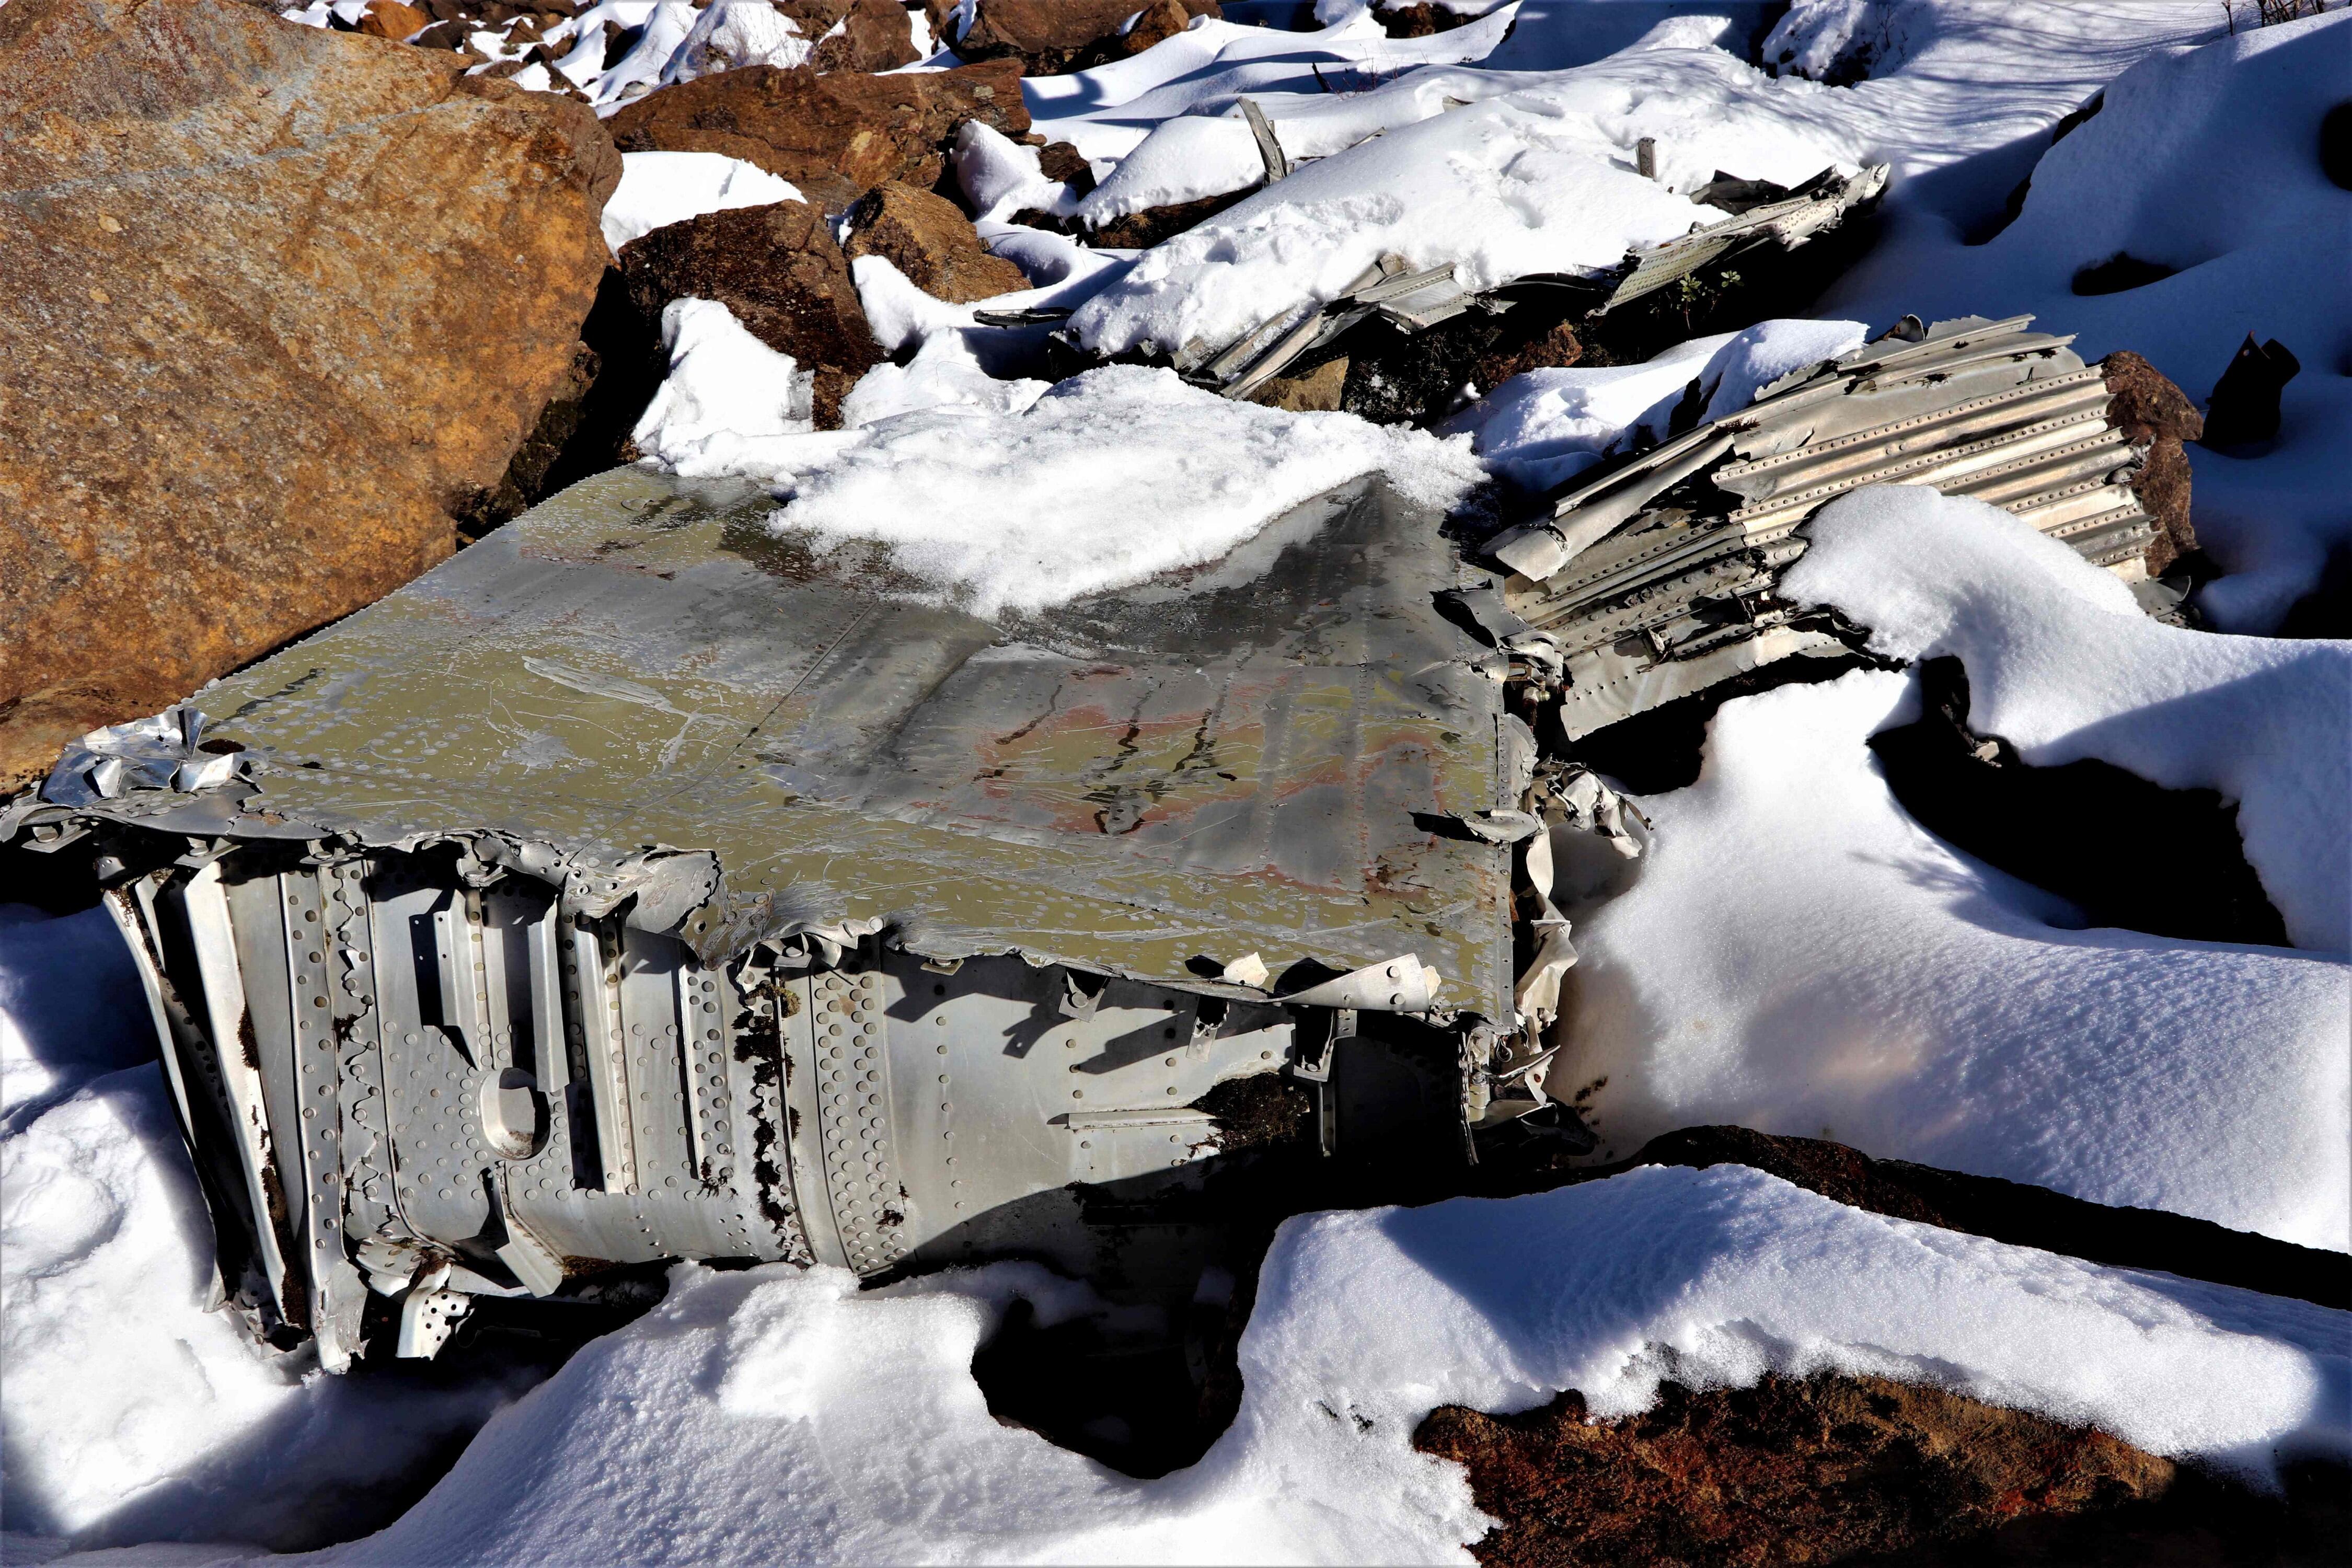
pixel 1656 579
pixel 1243 758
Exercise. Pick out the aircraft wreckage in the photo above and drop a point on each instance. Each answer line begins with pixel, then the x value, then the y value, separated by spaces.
pixel 639 885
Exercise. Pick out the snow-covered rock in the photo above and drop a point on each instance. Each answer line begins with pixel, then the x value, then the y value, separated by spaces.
pixel 1542 180
pixel 732 34
pixel 770 1415
pixel 2063 663
pixel 1798 956
pixel 661 188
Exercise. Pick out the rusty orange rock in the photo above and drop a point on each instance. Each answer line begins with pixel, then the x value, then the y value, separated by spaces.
pixel 282 302
pixel 391 20
pixel 1050 37
pixel 833 136
pixel 928 237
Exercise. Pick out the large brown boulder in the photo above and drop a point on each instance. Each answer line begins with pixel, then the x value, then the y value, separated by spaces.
pixel 927 236
pixel 834 136
pixel 281 302
pixel 1050 37
pixel 875 35
pixel 2146 407
pixel 779 270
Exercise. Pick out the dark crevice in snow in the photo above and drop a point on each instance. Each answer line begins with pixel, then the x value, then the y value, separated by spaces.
pixel 2129 854
pixel 1659 749
pixel 2017 1213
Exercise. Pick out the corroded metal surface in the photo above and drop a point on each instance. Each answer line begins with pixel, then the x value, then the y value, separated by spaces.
pixel 1194 768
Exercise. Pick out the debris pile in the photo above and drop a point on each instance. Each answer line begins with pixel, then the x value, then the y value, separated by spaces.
pixel 1189 636
pixel 1655 578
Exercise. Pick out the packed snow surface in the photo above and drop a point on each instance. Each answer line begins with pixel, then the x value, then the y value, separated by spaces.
pixel 2205 162
pixel 657 189
pixel 1541 180
pixel 1541 428
pixel 131 1412
pixel 2063 663
pixel 729 404
pixel 769 1414
pixel 732 34
pixel 1797 955
pixel 1109 479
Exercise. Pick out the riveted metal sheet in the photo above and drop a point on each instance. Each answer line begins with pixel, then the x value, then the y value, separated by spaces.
pixel 852 1069
pixel 1678 597
pixel 337 1292
pixel 369 1206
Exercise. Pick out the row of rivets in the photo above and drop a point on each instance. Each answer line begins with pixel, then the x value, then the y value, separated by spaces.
pixel 852 1049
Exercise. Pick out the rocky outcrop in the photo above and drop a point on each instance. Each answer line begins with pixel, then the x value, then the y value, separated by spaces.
pixel 1315 391
pixel 779 270
pixel 834 137
pixel 928 237
pixel 2148 408
pixel 1051 36
pixel 282 302
pixel 874 37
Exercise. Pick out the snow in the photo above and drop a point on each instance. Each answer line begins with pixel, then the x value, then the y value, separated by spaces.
pixel 1541 428
pixel 999 175
pixel 1794 953
pixel 768 1415
pixel 57 1031
pixel 642 70
pixel 2205 161
pixel 1183 160
pixel 1103 112
pixel 1110 477
pixel 1798 956
pixel 730 405
pixel 661 188
pixel 944 373
pixel 133 1414
pixel 2062 662
pixel 1539 180
pixel 732 34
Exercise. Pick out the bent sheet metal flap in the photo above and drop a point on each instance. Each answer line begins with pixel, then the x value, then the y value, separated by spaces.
pixel 1225 762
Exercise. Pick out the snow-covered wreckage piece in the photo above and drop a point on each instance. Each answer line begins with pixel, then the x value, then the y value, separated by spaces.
pixel 1655 578
pixel 639 885
pixel 1415 299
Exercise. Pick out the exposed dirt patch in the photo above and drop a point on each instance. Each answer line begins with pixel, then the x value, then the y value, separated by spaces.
pixel 1841 1469
pixel 1248 1111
